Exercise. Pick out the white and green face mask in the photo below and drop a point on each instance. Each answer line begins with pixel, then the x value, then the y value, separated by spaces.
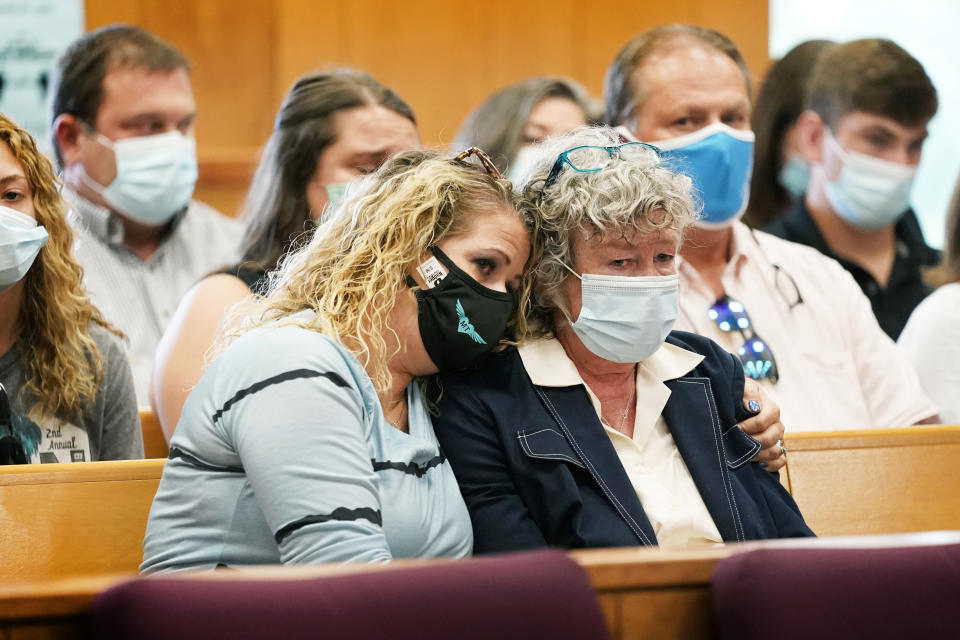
pixel 335 194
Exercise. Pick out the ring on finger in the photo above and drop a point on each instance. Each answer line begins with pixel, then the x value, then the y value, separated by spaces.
pixel 783 447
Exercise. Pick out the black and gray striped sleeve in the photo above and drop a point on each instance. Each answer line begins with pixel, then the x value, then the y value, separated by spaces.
pixel 298 429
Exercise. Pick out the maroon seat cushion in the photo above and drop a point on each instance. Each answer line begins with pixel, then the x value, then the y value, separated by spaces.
pixel 525 595
pixel 904 592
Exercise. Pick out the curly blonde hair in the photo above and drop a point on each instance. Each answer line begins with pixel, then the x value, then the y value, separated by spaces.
pixel 355 265
pixel 61 362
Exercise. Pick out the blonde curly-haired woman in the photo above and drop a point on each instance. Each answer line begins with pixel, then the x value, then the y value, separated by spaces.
pixel 307 440
pixel 67 392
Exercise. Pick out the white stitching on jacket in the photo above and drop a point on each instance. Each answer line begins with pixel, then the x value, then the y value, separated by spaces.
pixel 596 476
pixel 753 451
pixel 721 457
pixel 522 437
pixel 749 454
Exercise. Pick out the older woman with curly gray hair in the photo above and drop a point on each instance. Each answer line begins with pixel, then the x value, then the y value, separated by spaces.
pixel 604 427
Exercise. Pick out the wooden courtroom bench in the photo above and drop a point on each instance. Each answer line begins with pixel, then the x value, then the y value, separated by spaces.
pixel 876 481
pixel 59 520
pixel 644 593
pixel 154 442
pixel 77 519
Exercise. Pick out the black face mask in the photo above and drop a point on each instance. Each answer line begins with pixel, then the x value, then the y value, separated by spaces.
pixel 460 319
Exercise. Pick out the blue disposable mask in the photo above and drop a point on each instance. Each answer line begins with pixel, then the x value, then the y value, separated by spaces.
pixel 156 176
pixel 718 159
pixel 794 175
pixel 20 241
pixel 869 193
pixel 626 318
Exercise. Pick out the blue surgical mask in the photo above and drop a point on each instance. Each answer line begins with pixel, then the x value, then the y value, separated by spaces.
pixel 718 159
pixel 156 176
pixel 794 175
pixel 869 193
pixel 626 318
pixel 20 241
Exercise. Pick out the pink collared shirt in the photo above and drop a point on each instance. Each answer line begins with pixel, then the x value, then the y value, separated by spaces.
pixel 838 369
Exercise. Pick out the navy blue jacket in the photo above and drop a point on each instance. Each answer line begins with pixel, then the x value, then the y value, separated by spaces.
pixel 536 467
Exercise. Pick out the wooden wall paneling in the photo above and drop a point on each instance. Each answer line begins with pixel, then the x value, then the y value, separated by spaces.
pixel 97 13
pixel 746 22
pixel 522 40
pixel 309 36
pixel 444 58
pixel 534 38
pixel 428 51
pixel 231 48
pixel 234 87
pixel 609 24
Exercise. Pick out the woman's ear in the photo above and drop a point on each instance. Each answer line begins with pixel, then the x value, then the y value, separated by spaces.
pixel 809 136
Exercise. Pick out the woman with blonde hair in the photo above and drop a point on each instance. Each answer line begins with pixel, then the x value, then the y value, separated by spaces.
pixel 66 391
pixel 307 439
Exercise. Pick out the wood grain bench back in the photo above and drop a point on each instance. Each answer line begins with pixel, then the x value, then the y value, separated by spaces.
pixel 876 481
pixel 154 442
pixel 85 518
pixel 62 520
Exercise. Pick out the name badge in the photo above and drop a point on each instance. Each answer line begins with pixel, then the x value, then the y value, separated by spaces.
pixel 432 272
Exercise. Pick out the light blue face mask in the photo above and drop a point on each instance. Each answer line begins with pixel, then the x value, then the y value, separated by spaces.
pixel 336 192
pixel 626 318
pixel 794 175
pixel 156 176
pixel 20 241
pixel 869 193
pixel 718 159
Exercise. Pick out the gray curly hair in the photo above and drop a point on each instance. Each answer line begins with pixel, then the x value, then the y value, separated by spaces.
pixel 620 198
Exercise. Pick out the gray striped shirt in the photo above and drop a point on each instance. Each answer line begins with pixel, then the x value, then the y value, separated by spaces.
pixel 139 296
pixel 283 455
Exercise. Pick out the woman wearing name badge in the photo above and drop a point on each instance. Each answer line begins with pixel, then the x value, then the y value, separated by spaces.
pixel 307 439
pixel 66 391
pixel 605 428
